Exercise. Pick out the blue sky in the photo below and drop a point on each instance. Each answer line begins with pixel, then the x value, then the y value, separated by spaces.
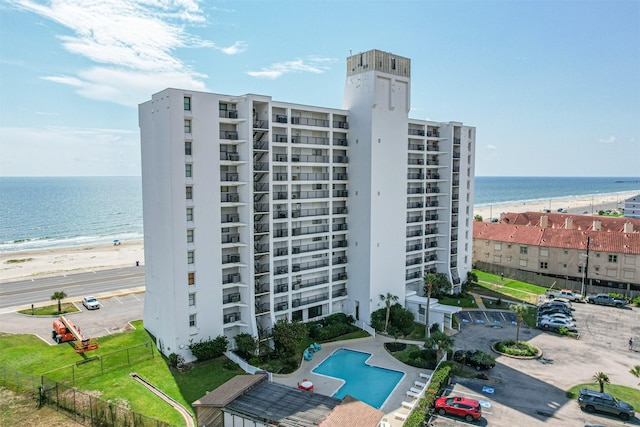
pixel 553 87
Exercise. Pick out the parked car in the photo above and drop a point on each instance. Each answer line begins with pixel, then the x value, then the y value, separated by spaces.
pixel 593 401
pixel 564 293
pixel 91 303
pixel 460 406
pixel 562 304
pixel 604 299
pixel 562 316
pixel 555 324
pixel 475 358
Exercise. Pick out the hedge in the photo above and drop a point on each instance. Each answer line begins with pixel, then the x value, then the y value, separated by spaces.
pixel 438 379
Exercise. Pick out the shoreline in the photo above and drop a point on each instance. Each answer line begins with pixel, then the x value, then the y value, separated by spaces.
pixel 59 261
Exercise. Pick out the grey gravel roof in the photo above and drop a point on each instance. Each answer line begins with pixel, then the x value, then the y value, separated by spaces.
pixel 282 405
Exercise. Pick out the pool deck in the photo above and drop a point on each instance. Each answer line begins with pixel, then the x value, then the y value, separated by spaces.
pixel 379 357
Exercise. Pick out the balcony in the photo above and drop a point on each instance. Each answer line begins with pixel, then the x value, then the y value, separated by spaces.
pixel 280 118
pixel 340 142
pixel 340 159
pixel 340 210
pixel 231 318
pixel 227 134
pixel 339 293
pixel 339 227
pixel 414 261
pixel 416 161
pixel 229 197
pixel 430 231
pixel 230 238
pixel 433 162
pixel 280 158
pixel 340 124
pixel 228 114
pixel 231 278
pixel 340 176
pixel 307 121
pixel 309 300
pixel 231 259
pixel 282 176
pixel 301 231
pixel 313 140
pixel 414 205
pixel 231 298
pixel 340 244
pixel 283 269
pixel 301 249
pixel 302 213
pixel 309 176
pixel 417 132
pixel 339 260
pixel 417 190
pixel 230 155
pixel 229 218
pixel 316 194
pixel 261 248
pixel 412 219
pixel 281 306
pixel 414 275
pixel 416 147
pixel 339 277
pixel 416 247
pixel 281 233
pixel 301 284
pixel 414 233
pixel 415 175
pixel 229 177
pixel 433 190
pixel 433 134
pixel 282 251
pixel 261 268
pixel 309 265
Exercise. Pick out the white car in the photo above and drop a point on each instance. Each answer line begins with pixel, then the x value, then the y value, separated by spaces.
pixel 548 323
pixel 561 316
pixel 91 303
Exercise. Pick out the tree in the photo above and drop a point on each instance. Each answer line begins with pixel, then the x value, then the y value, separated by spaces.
pixel 400 319
pixel 247 345
pixel 520 310
pixel 601 378
pixel 440 284
pixel 286 335
pixel 440 341
pixel 59 295
pixel 388 299
pixel 472 279
pixel 477 218
pixel 635 371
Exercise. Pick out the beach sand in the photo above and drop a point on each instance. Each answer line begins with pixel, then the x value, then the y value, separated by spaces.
pixel 574 205
pixel 77 259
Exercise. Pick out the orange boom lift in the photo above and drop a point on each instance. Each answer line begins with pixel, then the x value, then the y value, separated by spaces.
pixel 65 330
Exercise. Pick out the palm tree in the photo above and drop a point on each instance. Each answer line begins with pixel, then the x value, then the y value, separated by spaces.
pixel 635 371
pixel 520 310
pixel 441 341
pixel 429 280
pixel 388 299
pixel 601 379
pixel 59 295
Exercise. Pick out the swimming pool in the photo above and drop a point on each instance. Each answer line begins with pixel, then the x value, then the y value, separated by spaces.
pixel 369 384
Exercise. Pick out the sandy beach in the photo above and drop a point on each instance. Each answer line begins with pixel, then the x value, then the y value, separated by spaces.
pixel 574 205
pixel 60 261
pixel 76 259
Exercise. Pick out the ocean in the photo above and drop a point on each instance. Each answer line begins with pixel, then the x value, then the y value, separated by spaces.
pixel 42 213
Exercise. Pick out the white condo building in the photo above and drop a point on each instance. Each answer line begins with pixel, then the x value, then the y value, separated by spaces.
pixel 257 210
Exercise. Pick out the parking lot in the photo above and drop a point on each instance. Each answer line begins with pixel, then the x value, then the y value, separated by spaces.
pixel 532 392
pixel 114 316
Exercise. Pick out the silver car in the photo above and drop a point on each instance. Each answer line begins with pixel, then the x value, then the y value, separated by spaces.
pixel 91 303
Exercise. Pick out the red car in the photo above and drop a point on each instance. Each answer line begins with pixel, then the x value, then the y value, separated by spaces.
pixel 461 406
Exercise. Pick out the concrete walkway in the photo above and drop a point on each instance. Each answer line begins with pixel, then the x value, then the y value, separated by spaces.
pixel 379 357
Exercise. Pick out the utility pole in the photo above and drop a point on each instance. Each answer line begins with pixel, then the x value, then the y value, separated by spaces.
pixel 586 269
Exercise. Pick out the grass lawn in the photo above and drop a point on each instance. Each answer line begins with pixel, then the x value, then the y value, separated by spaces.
pixel 51 310
pixel 458 301
pixel 29 355
pixel 626 394
pixel 513 288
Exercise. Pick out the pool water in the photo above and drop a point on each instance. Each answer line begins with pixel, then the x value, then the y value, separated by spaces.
pixel 369 384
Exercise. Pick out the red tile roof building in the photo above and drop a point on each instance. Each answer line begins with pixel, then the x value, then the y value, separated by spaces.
pixel 552 249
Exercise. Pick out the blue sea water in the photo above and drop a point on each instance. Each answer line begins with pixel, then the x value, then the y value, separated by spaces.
pixel 38 213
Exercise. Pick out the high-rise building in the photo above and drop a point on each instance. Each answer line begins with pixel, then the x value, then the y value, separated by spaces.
pixel 257 210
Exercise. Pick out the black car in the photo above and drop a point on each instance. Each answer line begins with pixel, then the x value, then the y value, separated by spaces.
pixel 593 401
pixel 475 358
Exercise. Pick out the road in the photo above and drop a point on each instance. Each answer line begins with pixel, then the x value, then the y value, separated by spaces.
pixel 98 283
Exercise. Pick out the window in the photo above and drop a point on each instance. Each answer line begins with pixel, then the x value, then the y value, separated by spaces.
pixel 613 258
pixel 523 263
pixel 223 106
pixel 189 214
pixel 629 259
pixel 296 316
pixel 497 259
pixel 580 269
pixel 393 63
pixel 628 274
pixel 188 169
pixel 187 103
pixel 192 299
pixel 189 236
pixel 187 148
pixel 192 320
pixel 191 255
pixel 612 272
pixel 315 311
pixel 187 126
pixel 497 246
pixel 544 251
pixel 189 193
pixel 523 250
pixel 191 278
pixel 544 265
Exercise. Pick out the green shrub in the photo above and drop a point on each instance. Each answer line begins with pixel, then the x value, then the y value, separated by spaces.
pixel 520 349
pixel 209 349
pixel 438 380
pixel 173 360
pixel 230 365
pixel 636 301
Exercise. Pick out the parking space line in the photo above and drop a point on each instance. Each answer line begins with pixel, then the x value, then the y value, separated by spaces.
pixel 117 299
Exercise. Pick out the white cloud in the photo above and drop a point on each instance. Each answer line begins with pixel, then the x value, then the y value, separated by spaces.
pixel 236 48
pixel 608 140
pixel 66 151
pixel 133 42
pixel 491 147
pixel 312 64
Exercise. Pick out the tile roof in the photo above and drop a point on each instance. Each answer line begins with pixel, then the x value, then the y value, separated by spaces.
pixel 354 413
pixel 580 222
pixel 604 241
pixel 229 390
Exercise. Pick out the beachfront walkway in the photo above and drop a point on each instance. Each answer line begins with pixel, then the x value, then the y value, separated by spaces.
pixel 379 357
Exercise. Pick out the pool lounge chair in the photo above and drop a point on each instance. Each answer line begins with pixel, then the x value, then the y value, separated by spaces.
pixel 409 405
pixel 415 390
pixel 425 376
pixel 419 384
pixel 399 415
pixel 412 394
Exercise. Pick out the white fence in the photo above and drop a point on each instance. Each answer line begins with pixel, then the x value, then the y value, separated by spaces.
pixel 250 369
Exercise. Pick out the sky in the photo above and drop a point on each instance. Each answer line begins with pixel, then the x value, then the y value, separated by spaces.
pixel 552 87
